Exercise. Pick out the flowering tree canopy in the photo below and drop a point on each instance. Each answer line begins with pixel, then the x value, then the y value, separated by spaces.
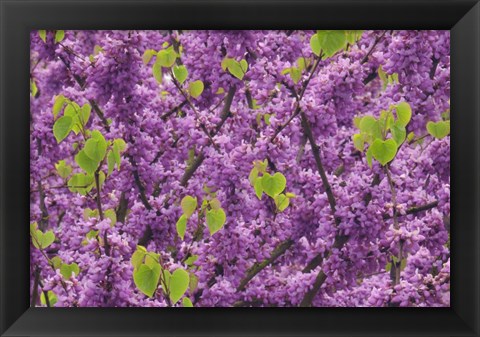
pixel 240 168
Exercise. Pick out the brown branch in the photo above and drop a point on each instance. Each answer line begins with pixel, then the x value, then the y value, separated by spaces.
pixel 34 299
pixel 138 182
pixel 299 98
pixel 121 211
pixel 377 39
pixel 316 154
pixel 340 240
pixel 201 156
pixel 258 267
pixel 414 210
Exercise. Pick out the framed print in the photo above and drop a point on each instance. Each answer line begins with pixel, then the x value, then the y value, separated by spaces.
pixel 211 168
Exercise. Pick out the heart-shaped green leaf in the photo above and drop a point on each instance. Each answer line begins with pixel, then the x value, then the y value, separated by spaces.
pixel 166 57
pixel 438 130
pixel 41 240
pixel 146 278
pixel 187 303
pixel 273 185
pixel 331 41
pixel 398 132
pixel 282 202
pixel 96 147
pixel 215 220
pixel 88 164
pixel 157 72
pixel 384 151
pixel 315 44
pixel 181 226
pixel 235 69
pixel 147 55
pixel 180 73
pixel 189 204
pixel 258 187
pixel 359 141
pixel 67 269
pixel 60 101
pixel 404 113
pixel 62 128
pixel 178 284
pixel 63 169
pixel 195 89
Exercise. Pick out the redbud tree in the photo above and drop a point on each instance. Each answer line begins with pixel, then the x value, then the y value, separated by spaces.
pixel 240 168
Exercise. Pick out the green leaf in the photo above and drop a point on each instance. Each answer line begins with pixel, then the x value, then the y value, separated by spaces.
pixel 87 164
pixel 180 73
pixel 157 72
pixel 215 203
pixel 90 213
pixel 52 298
pixel 225 62
pixel 33 88
pixel 118 147
pixel 110 214
pixel 166 57
pixel 187 303
pixel 369 157
pixel 146 278
pixel 84 114
pixel 258 187
pixel 56 261
pixel 295 74
pixel 191 260
pixel 215 220
pixel 404 113
pixel 188 204
pixel 63 169
pixel 235 69
pixel 438 130
pixel 359 141
pixel 81 183
pixel 137 258
pixel 266 118
pixel 62 128
pixel 147 55
pixel 59 36
pixel 315 44
pixel 370 126
pixel 386 120
pixel 181 226
pixel 252 177
pixel 384 150
pixel 282 202
pixel 193 283
pixel 273 185
pixel 43 35
pixel 244 65
pixel 398 132
pixel 302 63
pixel 261 166
pixel 67 269
pixel 110 162
pixel 41 240
pixel 96 147
pixel 331 41
pixel 195 89
pixel 410 136
pixel 178 284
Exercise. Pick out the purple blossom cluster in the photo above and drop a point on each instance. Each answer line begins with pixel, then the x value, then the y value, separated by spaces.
pixel 309 253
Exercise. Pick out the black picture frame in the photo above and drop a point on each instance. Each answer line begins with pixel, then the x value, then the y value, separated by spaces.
pixel 18 17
